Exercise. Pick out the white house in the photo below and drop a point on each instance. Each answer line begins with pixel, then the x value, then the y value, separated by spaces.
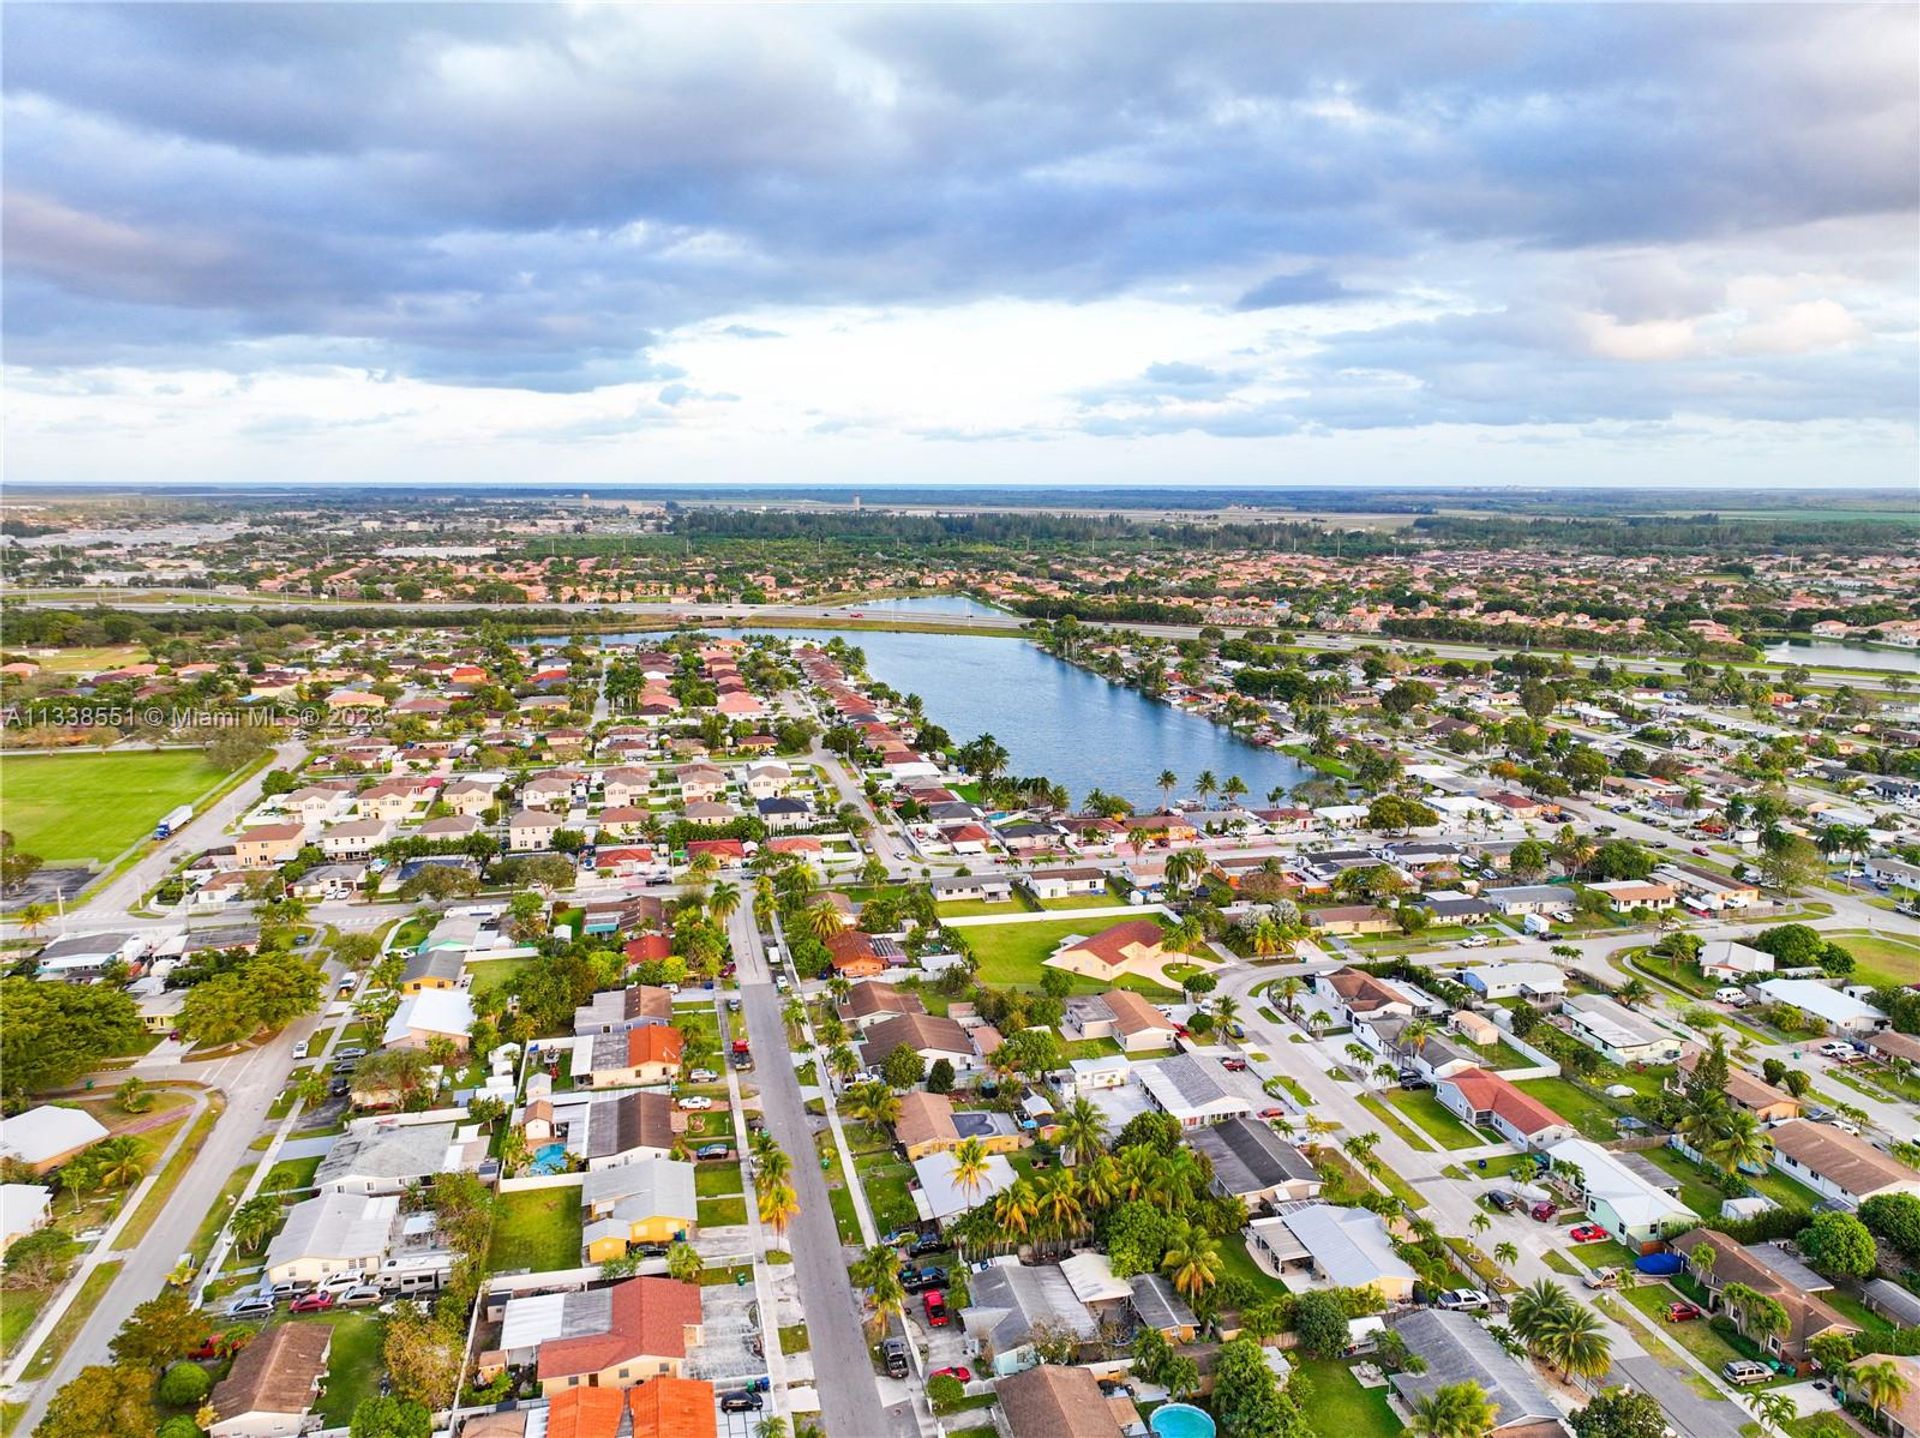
pixel 1841 1013
pixel 1837 1165
pixel 23 1208
pixel 1617 1033
pixel 337 1232
pixel 1730 961
pixel 1628 1206
pixel 1186 1089
pixel 940 1199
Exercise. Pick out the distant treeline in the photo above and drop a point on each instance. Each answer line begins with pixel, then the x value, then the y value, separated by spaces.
pixel 1643 534
pixel 1556 637
pixel 24 628
pixel 1108 611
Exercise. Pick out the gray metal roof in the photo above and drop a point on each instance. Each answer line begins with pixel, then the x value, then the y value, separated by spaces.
pixel 1458 1350
pixel 1248 1156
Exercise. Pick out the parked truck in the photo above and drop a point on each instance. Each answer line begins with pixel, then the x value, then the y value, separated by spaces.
pixel 174 818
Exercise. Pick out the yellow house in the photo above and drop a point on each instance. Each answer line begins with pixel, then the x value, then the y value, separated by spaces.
pixel 269 845
pixel 928 1124
pixel 649 1201
pixel 1135 947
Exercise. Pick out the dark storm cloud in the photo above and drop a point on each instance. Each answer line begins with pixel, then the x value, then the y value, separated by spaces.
pixel 530 195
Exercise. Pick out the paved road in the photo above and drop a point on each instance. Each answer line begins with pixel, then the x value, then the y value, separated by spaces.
pixel 843 1368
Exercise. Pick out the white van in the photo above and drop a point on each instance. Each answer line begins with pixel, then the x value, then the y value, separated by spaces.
pixel 1728 994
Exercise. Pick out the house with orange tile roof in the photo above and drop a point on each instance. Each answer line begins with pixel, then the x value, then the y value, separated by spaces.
pixel 617 1337
pixel 1134 947
pixel 1486 1100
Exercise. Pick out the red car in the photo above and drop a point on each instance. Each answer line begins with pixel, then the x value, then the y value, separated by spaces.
pixel 311 1303
pixel 1273 1113
pixel 936 1306
pixel 1587 1233
pixel 960 1374
pixel 1542 1212
pixel 1681 1312
pixel 1701 852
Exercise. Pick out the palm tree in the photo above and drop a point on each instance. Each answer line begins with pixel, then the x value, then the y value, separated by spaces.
pixel 1058 1207
pixel 1167 782
pixel 1206 786
pixel 723 902
pixel 1881 1384
pixel 1226 1010
pixel 1082 1127
pixel 1775 1409
pixel 1633 993
pixel 1575 1341
pixel 256 1220
pixel 1506 1253
pixel 1535 1308
pixel 33 917
pixel 309 1087
pixel 823 920
pixel 878 1271
pixel 969 1166
pixel 122 1162
pixel 1480 1222
pixel 1192 1262
pixel 1738 1142
pixel 1234 788
pixel 1014 1209
pixel 873 1102
pixel 1454 1410
pixel 778 1204
pixel 1289 989
pixel 1415 1033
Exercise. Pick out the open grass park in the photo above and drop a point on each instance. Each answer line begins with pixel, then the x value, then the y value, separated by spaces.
pixel 72 807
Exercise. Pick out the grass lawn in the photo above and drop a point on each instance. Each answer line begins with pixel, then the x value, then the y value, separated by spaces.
pixel 1233 1252
pixel 1011 955
pixel 1696 1336
pixel 723 1212
pixel 1424 1109
pixel 1339 1405
pixel 1404 1130
pixel 1080 901
pixel 1592 1115
pixel 537 1229
pixel 491 973
pixel 92 806
pixel 1695 1192
pixel 1878 960
pixel 717 1180
pixel 75 1318
pixel 1605 1254
pixel 353 1364
pixel 19 1313
pixel 980 908
pixel 291 1173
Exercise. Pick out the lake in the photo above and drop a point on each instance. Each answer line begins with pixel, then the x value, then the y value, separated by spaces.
pixel 1051 717
pixel 1841 655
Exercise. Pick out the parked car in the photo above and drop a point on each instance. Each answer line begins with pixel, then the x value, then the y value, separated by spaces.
pixel 1237 1066
pixel 1682 1312
pixel 713 1150
pixel 696 1101
pixel 743 1062
pixel 1273 1113
pixel 1701 850
pixel 312 1303
pixel 919 1280
pixel 1475 941
pixel 363 1295
pixel 703 1076
pixel 1586 1233
pixel 1414 1083
pixel 351 1051
pixel 935 1305
pixel 252 1305
pixel 1542 1212
pixel 740 1400
pixel 1603 1278
pixel 1501 1202
pixel 893 1353
pixel 1838 1049
pixel 1463 1300
pixel 1742 1371
pixel 958 1372
pixel 925 1244
pixel 337 1283
pixel 339 1088
pixel 300 1050
pixel 1728 994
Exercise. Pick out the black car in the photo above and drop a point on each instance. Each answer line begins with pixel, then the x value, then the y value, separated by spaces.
pixel 928 1243
pixel 340 1088
pixel 1413 1082
pixel 740 1401
pixel 918 1280
pixel 1504 1202
pixel 893 1353
pixel 652 1250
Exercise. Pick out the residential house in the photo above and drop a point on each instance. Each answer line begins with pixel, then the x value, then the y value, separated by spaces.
pixel 1617 1033
pixel 1517 901
pixel 625 787
pixel 1010 1304
pixel 617 1337
pixel 428 1015
pixel 1536 983
pixel 267 846
pixel 1486 1100
pixel 1345 1247
pixel 354 840
pixel 768 779
pixel 1837 1165
pixel 78 956
pixel 1347 920
pixel 1352 993
pixel 1620 1199
pixel 649 1201
pixel 272 1385
pixel 1840 1013
pixel 315 804
pixel 931 1036
pixel 1045 884
pixel 392 1153
pixel 699 783
pixel 665 1407
pixel 940 1199
pixel 782 815
pixel 471 797
pixel 709 814
pixel 1748 1091
pixel 337 1232
pixel 1055 1401
pixel 869 1003
pixel 973 888
pixel 1769 1270
pixel 1458 1349
pixel 24 1208
pixel 1134 947
pixel 858 955
pixel 1902 1416
pixel 449 830
pixel 1254 1164
pixel 643 1054
pixel 928 1124
pixel 1623 896
pixel 433 969
pixel 45 1137
pixel 1189 1091
pixel 530 830
pixel 1730 962
pixel 617 1010
pixel 1121 1015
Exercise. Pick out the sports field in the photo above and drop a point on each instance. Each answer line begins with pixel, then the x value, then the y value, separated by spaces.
pixel 65 807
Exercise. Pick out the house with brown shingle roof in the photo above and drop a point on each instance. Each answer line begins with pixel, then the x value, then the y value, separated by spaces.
pixel 1748 1091
pixel 1838 1165
pixel 931 1036
pixel 1761 1267
pixel 868 1003
pixel 1055 1401
pixel 273 1383
pixel 1121 1015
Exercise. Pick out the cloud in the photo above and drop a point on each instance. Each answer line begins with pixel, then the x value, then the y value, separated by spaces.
pixel 1312 286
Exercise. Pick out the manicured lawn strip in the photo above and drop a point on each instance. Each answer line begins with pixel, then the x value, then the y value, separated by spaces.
pixel 92 806
pixel 1239 1263
pixel 1695 1192
pixel 1012 955
pixel 157 1197
pixel 71 1322
pixel 795 1339
pixel 1592 1115
pixel 353 1364
pixel 290 1174
pixel 1338 1405
pixel 1696 1335
pixel 722 1212
pixel 1605 1254
pixel 1373 1105
pixel 980 908
pixel 1854 1309
pixel 19 1311
pixel 537 1229
pixel 717 1180
pixel 491 973
pixel 1424 1109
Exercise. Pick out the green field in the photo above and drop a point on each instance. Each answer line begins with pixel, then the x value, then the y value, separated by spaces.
pixel 65 807
pixel 1592 1115
pixel 1430 1114
pixel 1879 960
pixel 1337 1404
pixel 537 1229
pixel 1011 955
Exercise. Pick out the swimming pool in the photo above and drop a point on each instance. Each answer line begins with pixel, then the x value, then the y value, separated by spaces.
pixel 549 1158
pixel 1181 1420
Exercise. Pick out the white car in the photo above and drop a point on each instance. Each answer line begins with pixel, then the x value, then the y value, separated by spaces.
pixel 1838 1050
pixel 703 1075
pixel 1462 1299
pixel 696 1101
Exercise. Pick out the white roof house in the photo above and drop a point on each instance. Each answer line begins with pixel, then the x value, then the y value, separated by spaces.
pixel 1729 958
pixel 1187 1090
pixel 1840 1012
pixel 1506 981
pixel 940 1199
pixel 430 1012
pixel 338 1232
pixel 1617 1033
pixel 1350 1248
pixel 42 1136
pixel 1628 1206
pixel 23 1208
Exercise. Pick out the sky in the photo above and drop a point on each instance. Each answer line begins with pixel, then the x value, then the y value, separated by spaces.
pixel 1546 244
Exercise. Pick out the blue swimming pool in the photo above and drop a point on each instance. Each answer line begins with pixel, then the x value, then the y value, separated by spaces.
pixel 549 1158
pixel 1181 1420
